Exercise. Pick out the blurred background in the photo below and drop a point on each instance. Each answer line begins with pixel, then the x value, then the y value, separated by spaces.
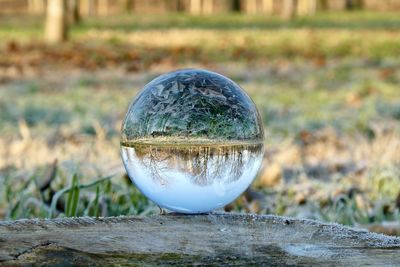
pixel 325 75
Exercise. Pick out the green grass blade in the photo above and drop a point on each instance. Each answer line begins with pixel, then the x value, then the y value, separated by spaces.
pixel 68 207
pixel 75 200
pixel 96 203
pixel 61 192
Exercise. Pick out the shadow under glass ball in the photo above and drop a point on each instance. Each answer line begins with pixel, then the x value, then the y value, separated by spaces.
pixel 192 141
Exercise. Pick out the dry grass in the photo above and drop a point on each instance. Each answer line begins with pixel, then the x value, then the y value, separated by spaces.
pixel 263 43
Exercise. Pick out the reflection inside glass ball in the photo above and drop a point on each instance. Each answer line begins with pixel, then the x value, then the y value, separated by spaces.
pixel 192 141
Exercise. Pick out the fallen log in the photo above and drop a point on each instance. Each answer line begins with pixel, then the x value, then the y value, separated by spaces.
pixel 213 239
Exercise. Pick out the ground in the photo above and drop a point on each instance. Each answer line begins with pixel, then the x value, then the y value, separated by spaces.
pixel 327 89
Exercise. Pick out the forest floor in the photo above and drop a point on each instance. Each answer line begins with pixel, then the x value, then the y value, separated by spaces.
pixel 327 89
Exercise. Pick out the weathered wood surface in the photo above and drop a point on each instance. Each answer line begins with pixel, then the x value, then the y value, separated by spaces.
pixel 214 239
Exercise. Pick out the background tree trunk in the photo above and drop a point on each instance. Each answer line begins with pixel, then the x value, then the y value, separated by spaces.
pixel 322 4
pixel 127 6
pixel 236 5
pixel 195 7
pixel 56 26
pixel 313 7
pixel 306 7
pixel 208 7
pixel 181 5
pixel 289 9
pixel 74 11
pixel 336 5
pixel 355 4
pixel 88 7
pixel 93 7
pixel 251 7
pixel 173 6
pixel 103 7
pixel 268 7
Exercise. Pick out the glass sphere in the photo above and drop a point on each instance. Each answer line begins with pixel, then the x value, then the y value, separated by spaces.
pixel 192 141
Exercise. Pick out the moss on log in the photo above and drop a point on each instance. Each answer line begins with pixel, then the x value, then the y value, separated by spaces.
pixel 213 239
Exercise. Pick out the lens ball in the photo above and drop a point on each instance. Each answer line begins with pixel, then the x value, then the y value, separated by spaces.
pixel 192 141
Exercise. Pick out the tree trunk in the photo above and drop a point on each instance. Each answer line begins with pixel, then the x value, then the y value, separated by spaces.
pixel 180 6
pixel 313 7
pixel 103 7
pixel 92 7
pixel 236 5
pixel 208 7
pixel 56 26
pixel 74 12
pixel 322 4
pixel 84 7
pixel 336 5
pixel 289 9
pixel 355 4
pixel 306 7
pixel 88 7
pixel 187 240
pixel 172 6
pixel 127 6
pixel 251 7
pixel 195 7
pixel 268 7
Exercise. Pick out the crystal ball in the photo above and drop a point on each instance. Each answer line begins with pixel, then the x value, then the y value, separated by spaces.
pixel 192 141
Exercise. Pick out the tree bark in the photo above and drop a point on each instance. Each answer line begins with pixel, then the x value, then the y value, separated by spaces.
pixel 74 11
pixel 195 7
pixel 212 240
pixel 173 6
pixel 103 7
pixel 354 4
pixel 251 7
pixel 268 7
pixel 236 5
pixel 126 6
pixel 92 7
pixel 88 7
pixel 180 5
pixel 306 7
pixel 208 7
pixel 313 7
pixel 289 9
pixel 337 5
pixel 56 30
